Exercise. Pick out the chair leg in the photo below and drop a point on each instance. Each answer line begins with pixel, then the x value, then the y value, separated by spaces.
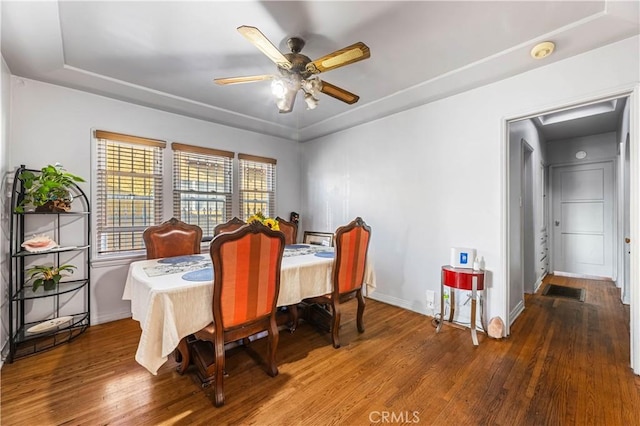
pixel 219 372
pixel 361 304
pixel 272 345
pixel 182 356
pixel 335 326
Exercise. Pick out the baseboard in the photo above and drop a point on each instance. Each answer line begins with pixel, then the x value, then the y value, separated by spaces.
pixel 109 318
pixel 538 283
pixel 515 313
pixel 415 307
pixel 583 276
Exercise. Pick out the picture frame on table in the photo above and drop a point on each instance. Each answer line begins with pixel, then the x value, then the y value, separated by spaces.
pixel 318 238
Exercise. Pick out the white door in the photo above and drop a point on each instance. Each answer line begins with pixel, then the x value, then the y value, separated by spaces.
pixel 582 219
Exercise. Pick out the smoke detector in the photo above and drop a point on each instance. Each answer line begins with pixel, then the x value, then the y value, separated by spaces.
pixel 542 50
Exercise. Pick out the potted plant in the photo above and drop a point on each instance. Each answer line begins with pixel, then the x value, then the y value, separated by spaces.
pixel 47 190
pixel 48 276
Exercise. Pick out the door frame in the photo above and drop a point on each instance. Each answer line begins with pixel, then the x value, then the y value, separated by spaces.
pixel 527 231
pixel 633 93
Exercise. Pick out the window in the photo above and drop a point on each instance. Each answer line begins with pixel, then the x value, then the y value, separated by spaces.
pixel 257 176
pixel 202 186
pixel 128 190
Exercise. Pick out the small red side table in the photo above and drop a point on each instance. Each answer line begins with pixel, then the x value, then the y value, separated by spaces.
pixel 462 279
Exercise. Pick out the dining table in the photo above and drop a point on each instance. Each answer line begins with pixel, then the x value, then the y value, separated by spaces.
pixel 171 297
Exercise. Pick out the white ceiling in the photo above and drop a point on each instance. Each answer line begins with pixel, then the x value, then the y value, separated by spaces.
pixel 165 54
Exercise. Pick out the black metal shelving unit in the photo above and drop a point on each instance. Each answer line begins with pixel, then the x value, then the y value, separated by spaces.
pixel 71 298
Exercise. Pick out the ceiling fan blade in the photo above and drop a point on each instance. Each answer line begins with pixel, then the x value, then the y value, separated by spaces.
pixel 247 79
pixel 338 93
pixel 354 53
pixel 261 42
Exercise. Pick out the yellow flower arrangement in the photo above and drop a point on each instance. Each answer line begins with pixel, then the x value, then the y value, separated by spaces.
pixel 266 221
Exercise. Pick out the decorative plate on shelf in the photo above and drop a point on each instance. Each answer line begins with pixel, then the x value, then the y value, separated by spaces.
pixel 49 324
pixel 39 243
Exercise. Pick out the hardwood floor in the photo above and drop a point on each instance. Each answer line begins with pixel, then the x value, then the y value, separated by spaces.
pixel 565 362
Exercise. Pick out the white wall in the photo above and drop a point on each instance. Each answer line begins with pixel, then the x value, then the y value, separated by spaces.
pixel 52 124
pixel 5 115
pixel 432 177
pixel 598 147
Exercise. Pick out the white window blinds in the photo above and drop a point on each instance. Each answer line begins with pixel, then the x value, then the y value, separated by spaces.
pixel 202 186
pixel 257 181
pixel 129 190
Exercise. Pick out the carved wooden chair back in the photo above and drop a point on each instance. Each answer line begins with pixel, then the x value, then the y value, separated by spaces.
pixel 172 238
pixel 228 226
pixel 289 229
pixel 246 265
pixel 351 247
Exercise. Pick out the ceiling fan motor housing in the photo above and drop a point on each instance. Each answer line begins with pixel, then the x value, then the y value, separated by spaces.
pixel 298 60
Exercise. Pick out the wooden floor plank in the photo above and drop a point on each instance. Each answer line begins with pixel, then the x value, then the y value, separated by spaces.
pixel 566 362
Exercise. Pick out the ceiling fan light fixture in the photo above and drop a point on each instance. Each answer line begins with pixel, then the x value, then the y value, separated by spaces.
pixel 278 89
pixel 312 102
pixel 312 85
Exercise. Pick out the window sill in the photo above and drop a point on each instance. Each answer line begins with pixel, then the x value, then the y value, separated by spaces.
pixel 117 260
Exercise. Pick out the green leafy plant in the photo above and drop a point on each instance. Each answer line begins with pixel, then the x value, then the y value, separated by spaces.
pixel 47 189
pixel 48 276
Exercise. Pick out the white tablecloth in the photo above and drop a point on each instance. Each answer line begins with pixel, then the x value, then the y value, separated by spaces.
pixel 169 307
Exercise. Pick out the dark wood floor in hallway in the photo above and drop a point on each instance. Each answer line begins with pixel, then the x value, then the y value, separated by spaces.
pixel 565 363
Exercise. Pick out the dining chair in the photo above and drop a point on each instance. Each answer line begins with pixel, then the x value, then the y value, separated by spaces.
pixel 246 284
pixel 169 239
pixel 230 225
pixel 351 247
pixel 172 238
pixel 289 229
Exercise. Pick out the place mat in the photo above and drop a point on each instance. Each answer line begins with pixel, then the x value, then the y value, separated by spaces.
pixel 159 269
pixel 327 254
pixel 304 249
pixel 182 259
pixel 200 275
pixel 295 246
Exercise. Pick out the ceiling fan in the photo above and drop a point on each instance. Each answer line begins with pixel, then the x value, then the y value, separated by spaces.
pixel 298 72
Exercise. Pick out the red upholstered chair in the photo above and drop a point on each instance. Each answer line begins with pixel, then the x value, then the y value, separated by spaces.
pixel 289 229
pixel 172 238
pixel 246 265
pixel 228 226
pixel 352 244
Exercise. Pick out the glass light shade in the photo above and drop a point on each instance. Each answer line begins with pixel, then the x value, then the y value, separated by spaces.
pixel 312 102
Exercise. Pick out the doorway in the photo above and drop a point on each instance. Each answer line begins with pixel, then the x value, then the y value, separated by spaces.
pixel 625 161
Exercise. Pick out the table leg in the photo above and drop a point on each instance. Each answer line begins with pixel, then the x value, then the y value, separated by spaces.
pixel 441 303
pixel 182 355
pixel 452 303
pixel 482 319
pixel 474 295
